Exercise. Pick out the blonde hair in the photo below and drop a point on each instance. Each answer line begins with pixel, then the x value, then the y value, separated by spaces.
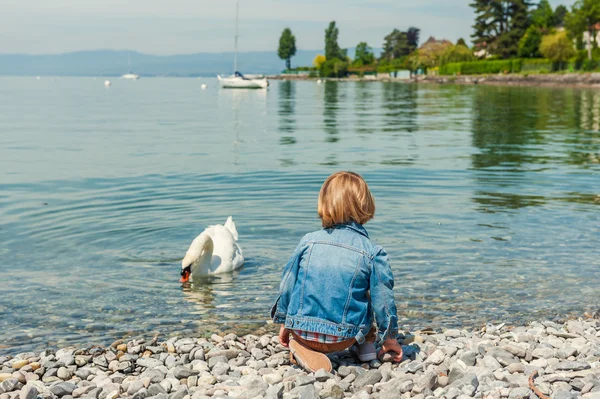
pixel 345 197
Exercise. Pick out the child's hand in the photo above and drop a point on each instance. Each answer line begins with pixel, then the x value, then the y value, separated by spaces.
pixel 390 345
pixel 284 336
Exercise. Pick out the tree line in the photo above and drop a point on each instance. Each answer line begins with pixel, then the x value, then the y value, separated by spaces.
pixel 397 47
pixel 502 30
pixel 506 29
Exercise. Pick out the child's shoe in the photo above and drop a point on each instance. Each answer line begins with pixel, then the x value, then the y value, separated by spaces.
pixel 307 358
pixel 365 352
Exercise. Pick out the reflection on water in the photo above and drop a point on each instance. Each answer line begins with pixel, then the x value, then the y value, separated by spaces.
pixel 487 200
pixel 330 109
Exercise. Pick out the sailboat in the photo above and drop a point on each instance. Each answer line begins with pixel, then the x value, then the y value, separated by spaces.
pixel 130 75
pixel 237 80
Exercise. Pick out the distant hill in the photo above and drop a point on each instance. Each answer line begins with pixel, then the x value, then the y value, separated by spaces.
pixel 116 63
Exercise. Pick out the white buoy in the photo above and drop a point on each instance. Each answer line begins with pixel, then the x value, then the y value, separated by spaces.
pixel 37 77
pixel 319 81
pixel 203 86
pixel 107 83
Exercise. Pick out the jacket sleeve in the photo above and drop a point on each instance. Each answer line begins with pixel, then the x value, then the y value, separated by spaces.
pixel 288 281
pixel 382 296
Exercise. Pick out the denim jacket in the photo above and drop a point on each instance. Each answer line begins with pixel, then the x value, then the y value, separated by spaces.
pixel 334 283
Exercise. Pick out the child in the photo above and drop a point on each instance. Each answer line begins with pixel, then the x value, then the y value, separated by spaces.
pixel 336 280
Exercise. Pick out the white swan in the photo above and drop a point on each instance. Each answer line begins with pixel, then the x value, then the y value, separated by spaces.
pixel 214 251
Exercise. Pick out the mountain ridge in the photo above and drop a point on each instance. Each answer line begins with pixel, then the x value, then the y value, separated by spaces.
pixel 106 62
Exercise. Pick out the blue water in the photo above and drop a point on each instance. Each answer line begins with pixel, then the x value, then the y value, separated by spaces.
pixel 487 200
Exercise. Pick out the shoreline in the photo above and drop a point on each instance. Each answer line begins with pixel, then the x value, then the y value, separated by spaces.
pixel 578 80
pixel 496 361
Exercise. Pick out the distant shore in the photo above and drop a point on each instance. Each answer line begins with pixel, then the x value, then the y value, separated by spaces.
pixel 591 80
pixel 561 360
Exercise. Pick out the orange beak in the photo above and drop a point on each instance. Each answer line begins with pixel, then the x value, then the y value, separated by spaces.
pixel 185 276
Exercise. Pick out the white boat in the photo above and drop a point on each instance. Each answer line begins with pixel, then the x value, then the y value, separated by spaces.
pixel 131 76
pixel 237 80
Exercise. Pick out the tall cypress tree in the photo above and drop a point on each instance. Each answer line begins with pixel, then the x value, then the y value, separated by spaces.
pixel 332 48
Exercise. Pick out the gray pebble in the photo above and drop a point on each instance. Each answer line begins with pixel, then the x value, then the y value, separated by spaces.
pixel 63 388
pixel 215 360
pixel 322 375
pixel 572 366
pixel 414 366
pixel 64 374
pixel 28 392
pixel 371 377
pixel 9 385
pixel 134 387
pixel 562 394
pixel 180 372
pixel 304 380
pixel 519 393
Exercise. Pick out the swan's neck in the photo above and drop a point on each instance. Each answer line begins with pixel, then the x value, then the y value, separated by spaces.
pixel 202 265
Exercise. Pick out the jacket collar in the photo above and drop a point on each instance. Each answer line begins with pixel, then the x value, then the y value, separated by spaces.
pixel 353 226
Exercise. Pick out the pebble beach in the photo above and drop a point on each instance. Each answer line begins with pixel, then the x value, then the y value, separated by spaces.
pixel 542 359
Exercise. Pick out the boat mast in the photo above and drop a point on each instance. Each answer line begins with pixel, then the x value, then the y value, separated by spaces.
pixel 237 11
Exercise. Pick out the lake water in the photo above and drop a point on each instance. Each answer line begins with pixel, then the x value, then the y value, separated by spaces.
pixel 487 200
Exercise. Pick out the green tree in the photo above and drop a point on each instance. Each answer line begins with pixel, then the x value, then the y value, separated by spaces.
pixel 543 15
pixel 557 47
pixel 529 46
pixel 461 42
pixel 559 15
pixel 334 68
pixel 500 25
pixel 396 45
pixel 287 47
pixel 412 36
pixel 490 21
pixel 332 48
pixel 583 17
pixel 458 53
pixel 364 54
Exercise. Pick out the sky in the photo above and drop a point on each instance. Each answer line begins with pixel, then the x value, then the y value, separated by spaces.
pixel 165 27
